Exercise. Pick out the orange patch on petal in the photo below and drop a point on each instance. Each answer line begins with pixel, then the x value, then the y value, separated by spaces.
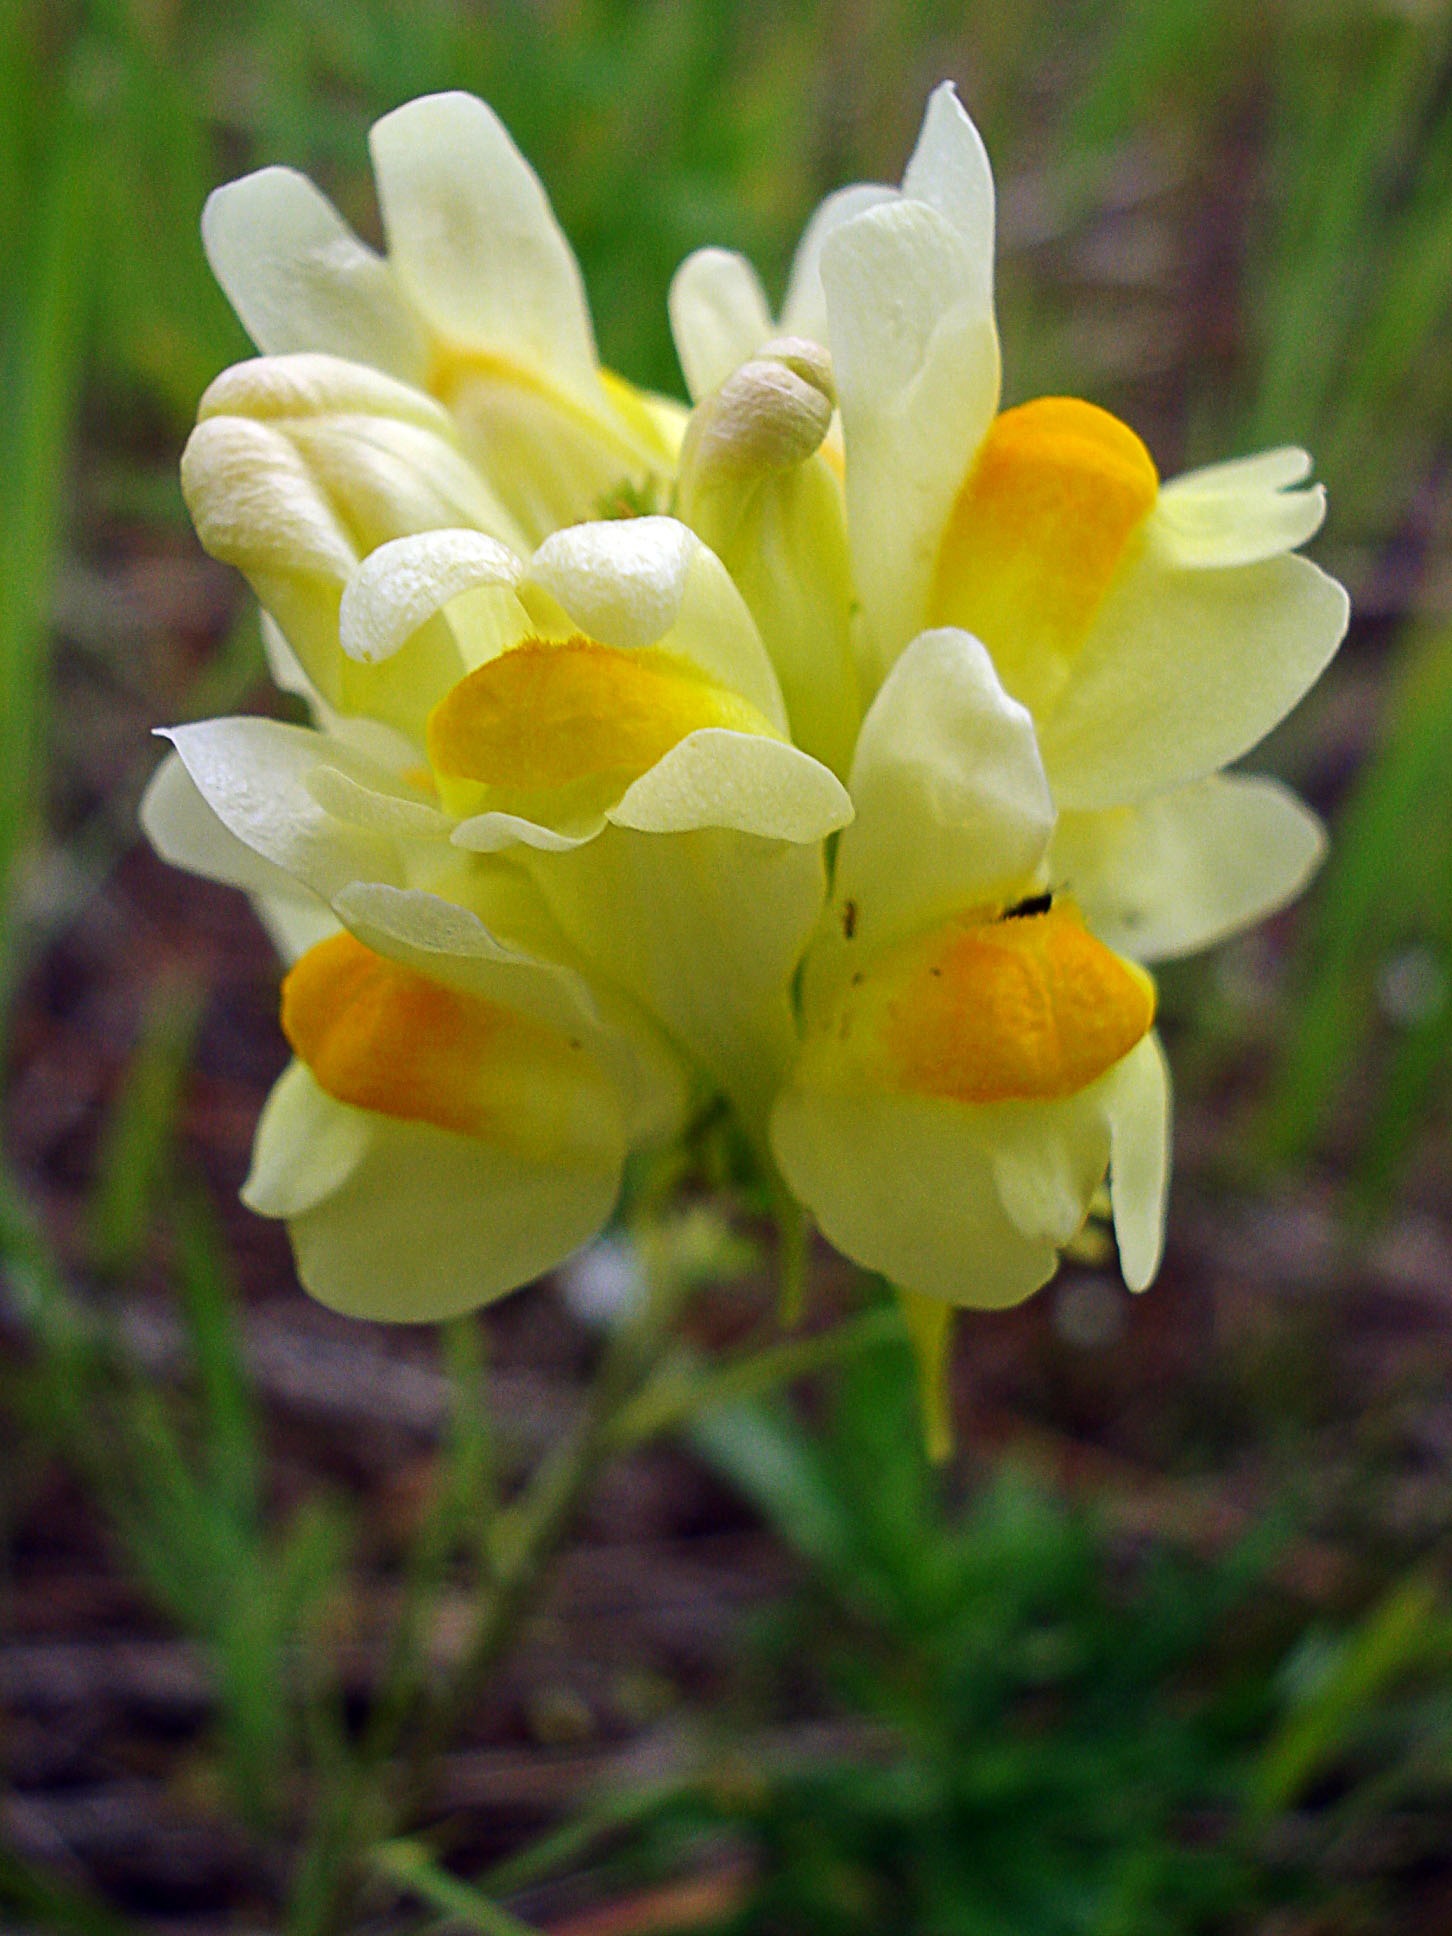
pixel 1037 534
pixel 551 714
pixel 1031 1008
pixel 379 1036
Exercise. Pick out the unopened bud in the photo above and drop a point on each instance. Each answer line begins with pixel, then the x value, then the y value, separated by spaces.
pixel 769 415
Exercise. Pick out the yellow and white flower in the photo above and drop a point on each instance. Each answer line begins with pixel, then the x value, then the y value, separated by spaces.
pixel 478 303
pixel 603 753
pixel 974 1058
pixel 438 1142
pixel 1155 634
pixel 558 846
pixel 1111 607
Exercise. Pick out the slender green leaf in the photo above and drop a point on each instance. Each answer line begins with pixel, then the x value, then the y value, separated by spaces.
pixel 42 379
pixel 137 1142
pixel 411 1866
pixel 1392 1638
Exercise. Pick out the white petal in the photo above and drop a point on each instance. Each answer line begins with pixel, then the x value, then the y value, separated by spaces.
pixel 717 778
pixel 431 1224
pixel 253 774
pixel 1184 671
pixel 186 833
pixel 804 312
pixel 916 358
pixel 902 1185
pixel 299 279
pixel 1139 1160
pixel 950 171
pixel 719 317
pixel 953 809
pixel 307 1146
pixel 1183 870
pixel 472 237
pixel 402 584
pixel 631 582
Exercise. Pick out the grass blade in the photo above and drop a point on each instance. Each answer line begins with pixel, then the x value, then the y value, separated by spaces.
pixel 43 366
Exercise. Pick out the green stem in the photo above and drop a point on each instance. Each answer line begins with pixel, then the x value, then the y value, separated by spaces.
pixel 542 1521
pixel 358 1813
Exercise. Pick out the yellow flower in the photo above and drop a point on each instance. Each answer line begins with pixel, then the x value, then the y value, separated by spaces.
pixel 592 768
pixel 974 1058
pixel 434 1144
pixel 558 844
pixel 1154 634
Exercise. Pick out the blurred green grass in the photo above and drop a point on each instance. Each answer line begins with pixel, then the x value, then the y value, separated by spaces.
pixel 1231 222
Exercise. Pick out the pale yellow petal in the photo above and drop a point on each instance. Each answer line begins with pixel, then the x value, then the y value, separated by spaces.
pixel 804 310
pixel 1237 513
pixel 430 1224
pixel 1185 670
pixel 950 172
pixel 472 237
pixel 255 774
pixel 1184 869
pixel 916 358
pixel 640 582
pixel 1049 1159
pixel 705 930
pixel 953 809
pixel 1139 1160
pixel 743 781
pixel 904 1186
pixel 719 317
pixel 306 1146
pixel 404 583
pixel 299 279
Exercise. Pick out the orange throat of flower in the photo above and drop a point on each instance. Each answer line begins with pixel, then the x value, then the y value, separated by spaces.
pixel 570 721
pixel 1037 534
pixel 1019 1008
pixel 379 1037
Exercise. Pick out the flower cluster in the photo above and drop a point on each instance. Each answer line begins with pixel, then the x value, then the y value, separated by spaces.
pixel 845 746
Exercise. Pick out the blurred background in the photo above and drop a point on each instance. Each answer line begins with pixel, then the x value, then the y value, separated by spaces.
pixel 1167 1647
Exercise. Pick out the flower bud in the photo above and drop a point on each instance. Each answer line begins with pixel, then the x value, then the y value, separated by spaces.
pixel 769 416
pixel 301 465
pixel 757 486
